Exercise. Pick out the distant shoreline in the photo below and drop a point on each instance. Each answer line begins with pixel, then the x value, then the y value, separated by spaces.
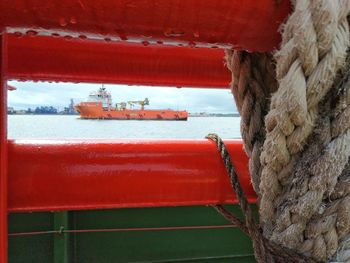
pixel 215 115
pixel 192 116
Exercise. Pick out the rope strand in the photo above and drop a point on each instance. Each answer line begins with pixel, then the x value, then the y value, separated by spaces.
pixel 265 250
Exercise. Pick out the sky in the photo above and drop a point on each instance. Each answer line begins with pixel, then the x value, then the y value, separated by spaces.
pixel 33 94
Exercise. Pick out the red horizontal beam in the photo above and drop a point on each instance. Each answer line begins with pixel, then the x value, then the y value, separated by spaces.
pixel 58 59
pixel 243 24
pixel 73 175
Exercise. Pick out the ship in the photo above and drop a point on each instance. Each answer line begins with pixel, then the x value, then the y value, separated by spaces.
pixel 100 106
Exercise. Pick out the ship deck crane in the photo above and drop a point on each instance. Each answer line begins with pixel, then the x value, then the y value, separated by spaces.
pixel 120 106
pixel 139 102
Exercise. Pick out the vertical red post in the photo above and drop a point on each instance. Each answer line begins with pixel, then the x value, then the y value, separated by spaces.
pixel 3 151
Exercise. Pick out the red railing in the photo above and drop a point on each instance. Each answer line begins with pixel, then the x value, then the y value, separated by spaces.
pixel 37 181
pixel 3 151
pixel 49 175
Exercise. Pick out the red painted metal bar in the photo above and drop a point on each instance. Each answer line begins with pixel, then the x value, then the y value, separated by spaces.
pixel 57 59
pixel 73 175
pixel 3 151
pixel 242 24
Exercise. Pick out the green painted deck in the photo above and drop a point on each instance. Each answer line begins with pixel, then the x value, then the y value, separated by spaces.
pixel 191 245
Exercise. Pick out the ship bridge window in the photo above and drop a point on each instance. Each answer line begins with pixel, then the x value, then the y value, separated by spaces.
pixel 96 111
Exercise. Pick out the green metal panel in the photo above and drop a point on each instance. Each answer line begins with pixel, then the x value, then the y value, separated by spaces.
pixel 61 240
pixel 30 249
pixel 194 245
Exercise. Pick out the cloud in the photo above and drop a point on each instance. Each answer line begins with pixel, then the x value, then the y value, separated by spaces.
pixel 30 94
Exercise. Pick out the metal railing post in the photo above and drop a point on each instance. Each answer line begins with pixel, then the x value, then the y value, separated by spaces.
pixel 3 151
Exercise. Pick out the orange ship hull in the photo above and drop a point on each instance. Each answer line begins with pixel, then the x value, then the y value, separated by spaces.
pixel 94 110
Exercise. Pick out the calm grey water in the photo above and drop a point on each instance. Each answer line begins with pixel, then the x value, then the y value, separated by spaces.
pixel 71 127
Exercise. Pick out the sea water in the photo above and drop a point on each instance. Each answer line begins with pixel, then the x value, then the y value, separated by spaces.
pixel 72 127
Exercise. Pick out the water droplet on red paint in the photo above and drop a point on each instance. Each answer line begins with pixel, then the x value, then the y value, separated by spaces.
pixel 62 21
pixel 107 39
pixel 82 37
pixel 31 33
pixel 68 37
pixel 18 34
pixel 145 43
pixel 55 34
pixel 145 37
pixel 160 42
pixel 123 37
pixel 196 34
pixel 192 44
pixel 73 20
pixel 121 33
pixel 171 32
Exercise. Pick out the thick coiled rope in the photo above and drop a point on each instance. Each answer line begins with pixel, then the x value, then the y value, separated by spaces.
pixel 253 80
pixel 305 202
pixel 303 174
pixel 266 251
pixel 306 69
